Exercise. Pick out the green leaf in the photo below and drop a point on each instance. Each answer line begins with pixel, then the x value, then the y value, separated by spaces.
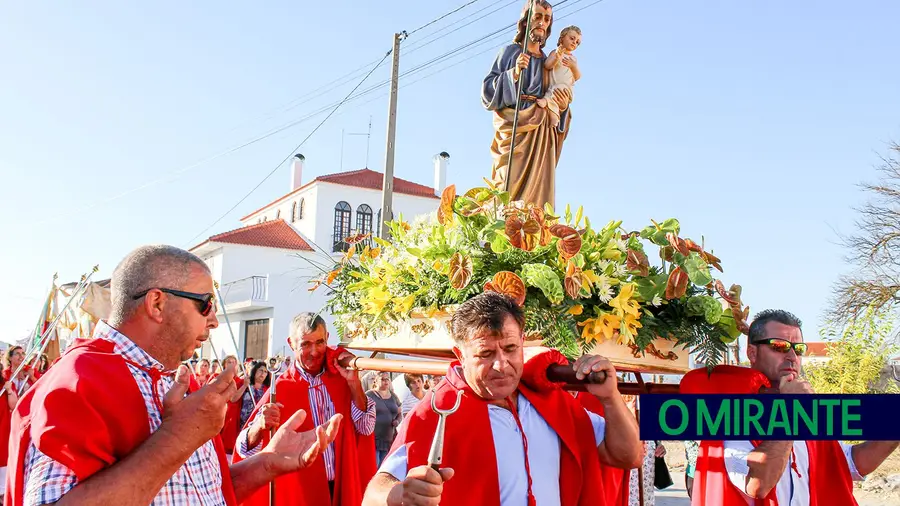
pixel 651 286
pixel 578 216
pixel 729 326
pixel 568 214
pixel 579 260
pixel 500 243
pixel 697 269
pixel 543 277
pixel 671 225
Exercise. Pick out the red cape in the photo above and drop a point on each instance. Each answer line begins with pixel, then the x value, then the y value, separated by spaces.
pixel 6 374
pixel 829 474
pixel 232 420
pixel 354 454
pixel 5 417
pixel 95 383
pixel 469 444
pixel 615 480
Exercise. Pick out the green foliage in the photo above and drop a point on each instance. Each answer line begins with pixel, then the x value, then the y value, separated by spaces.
pixel 859 353
pixel 583 285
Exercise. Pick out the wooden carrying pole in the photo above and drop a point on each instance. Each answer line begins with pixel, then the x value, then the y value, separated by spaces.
pixel 555 373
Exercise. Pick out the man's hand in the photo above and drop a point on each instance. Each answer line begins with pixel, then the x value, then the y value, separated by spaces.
pixel 290 450
pixel 521 64
pixel 541 102
pixel 794 385
pixel 423 486
pixel 197 418
pixel 562 96
pixel 269 416
pixel 348 374
pixel 587 364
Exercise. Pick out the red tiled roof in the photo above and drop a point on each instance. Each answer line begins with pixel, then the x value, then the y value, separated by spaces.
pixel 363 178
pixel 271 234
pixel 817 349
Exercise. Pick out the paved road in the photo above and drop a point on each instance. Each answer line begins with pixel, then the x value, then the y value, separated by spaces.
pixel 674 495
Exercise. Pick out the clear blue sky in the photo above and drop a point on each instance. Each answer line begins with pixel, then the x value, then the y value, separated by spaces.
pixel 751 122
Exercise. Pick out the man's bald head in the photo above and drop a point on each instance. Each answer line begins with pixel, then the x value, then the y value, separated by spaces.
pixel 153 266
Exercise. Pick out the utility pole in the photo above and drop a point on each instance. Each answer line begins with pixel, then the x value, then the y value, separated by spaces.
pixel 387 195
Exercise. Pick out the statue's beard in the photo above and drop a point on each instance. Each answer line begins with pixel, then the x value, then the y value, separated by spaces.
pixel 536 38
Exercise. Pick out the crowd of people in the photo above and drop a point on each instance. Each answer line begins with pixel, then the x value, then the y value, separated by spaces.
pixel 132 416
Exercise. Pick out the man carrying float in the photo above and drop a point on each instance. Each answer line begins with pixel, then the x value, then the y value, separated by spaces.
pixel 515 437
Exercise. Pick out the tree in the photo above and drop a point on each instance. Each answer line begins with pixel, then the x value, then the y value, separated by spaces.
pixel 874 249
pixel 858 355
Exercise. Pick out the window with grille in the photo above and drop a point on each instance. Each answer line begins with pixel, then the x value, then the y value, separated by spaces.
pixel 364 219
pixel 342 212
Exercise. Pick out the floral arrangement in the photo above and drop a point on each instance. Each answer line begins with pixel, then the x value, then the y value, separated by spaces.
pixel 579 285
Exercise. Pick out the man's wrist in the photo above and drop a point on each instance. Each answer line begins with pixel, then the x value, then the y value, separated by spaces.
pixel 613 398
pixel 395 496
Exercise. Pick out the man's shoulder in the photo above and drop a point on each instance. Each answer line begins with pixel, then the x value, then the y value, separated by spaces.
pixel 93 364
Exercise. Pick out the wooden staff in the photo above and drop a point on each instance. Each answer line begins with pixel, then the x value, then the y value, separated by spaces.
pixel 521 86
pixel 38 348
pixel 274 372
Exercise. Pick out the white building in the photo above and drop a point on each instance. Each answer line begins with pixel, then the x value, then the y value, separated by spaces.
pixel 264 267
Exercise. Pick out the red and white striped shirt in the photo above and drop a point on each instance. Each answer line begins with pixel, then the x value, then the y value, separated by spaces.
pixel 198 482
pixel 322 410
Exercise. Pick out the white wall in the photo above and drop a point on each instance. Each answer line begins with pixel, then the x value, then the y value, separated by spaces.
pixel 288 294
pixel 330 194
pixel 304 225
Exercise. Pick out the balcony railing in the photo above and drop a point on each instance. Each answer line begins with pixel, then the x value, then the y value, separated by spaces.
pixel 250 291
pixel 340 245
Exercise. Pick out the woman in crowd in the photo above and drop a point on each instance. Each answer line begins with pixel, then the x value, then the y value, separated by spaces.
pixel 11 361
pixel 202 372
pixel 257 384
pixel 387 415
pixel 8 399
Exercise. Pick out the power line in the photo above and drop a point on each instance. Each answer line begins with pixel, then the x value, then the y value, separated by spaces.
pixel 433 21
pixel 355 73
pixel 416 46
pixel 275 169
pixel 420 67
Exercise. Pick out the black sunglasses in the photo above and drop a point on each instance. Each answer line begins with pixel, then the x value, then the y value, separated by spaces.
pixel 206 300
pixel 784 346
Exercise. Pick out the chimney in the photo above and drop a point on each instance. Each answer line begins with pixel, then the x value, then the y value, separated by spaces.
pixel 297 171
pixel 441 162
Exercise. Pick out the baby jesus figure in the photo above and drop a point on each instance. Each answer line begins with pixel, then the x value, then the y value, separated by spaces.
pixel 563 67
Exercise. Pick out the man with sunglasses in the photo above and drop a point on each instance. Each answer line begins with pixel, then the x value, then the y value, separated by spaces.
pixel 785 473
pixel 110 423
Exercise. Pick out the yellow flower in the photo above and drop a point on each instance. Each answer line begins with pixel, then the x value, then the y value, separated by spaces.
pixel 590 278
pixel 628 329
pixel 378 297
pixel 610 324
pixel 592 329
pixel 404 304
pixel 623 304
pixel 576 310
pixel 600 329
